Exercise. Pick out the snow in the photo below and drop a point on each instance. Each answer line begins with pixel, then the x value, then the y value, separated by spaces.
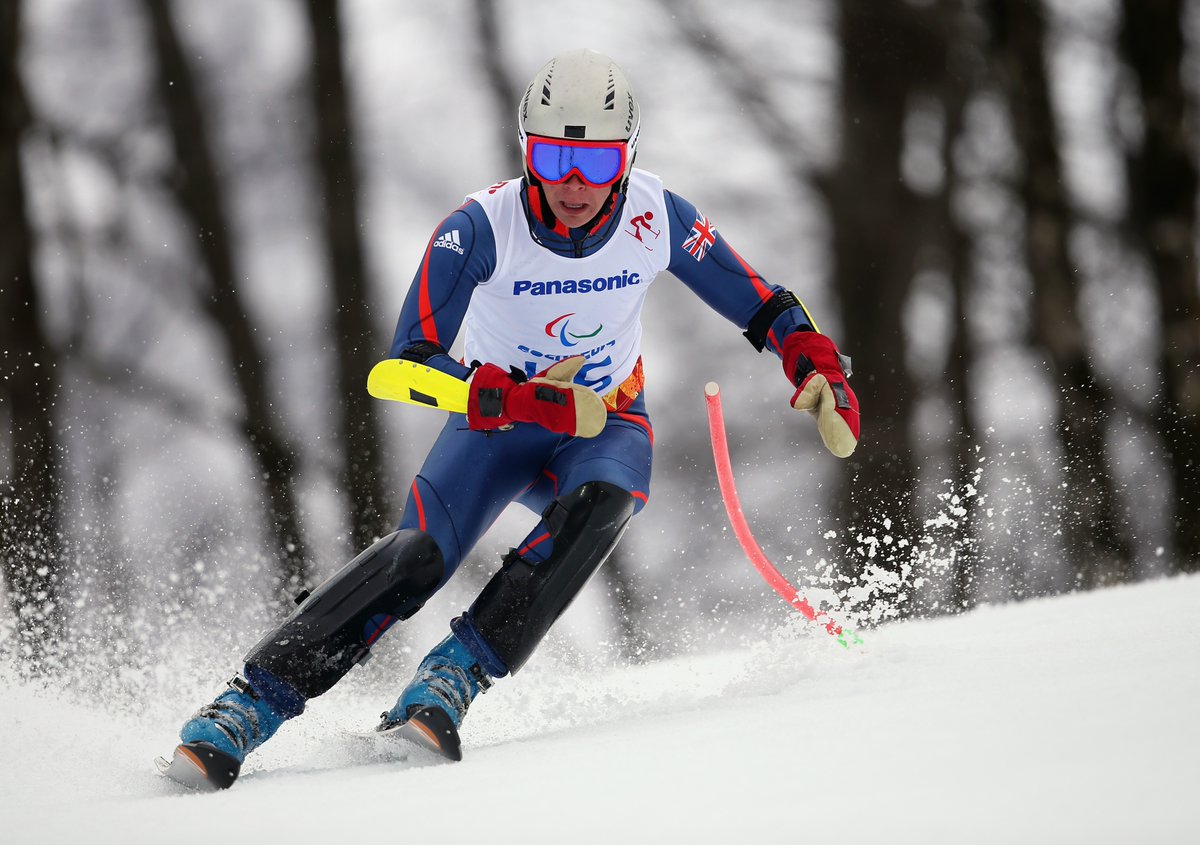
pixel 1069 719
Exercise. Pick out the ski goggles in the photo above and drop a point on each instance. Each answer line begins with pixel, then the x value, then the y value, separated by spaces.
pixel 554 160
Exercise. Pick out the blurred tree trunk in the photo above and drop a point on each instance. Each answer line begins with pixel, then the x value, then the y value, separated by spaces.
pixel 963 76
pixel 888 49
pixel 30 509
pixel 201 195
pixel 748 83
pixel 506 91
pixel 1162 183
pixel 1096 551
pixel 370 503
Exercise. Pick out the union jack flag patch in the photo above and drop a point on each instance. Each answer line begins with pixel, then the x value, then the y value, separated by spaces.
pixel 701 237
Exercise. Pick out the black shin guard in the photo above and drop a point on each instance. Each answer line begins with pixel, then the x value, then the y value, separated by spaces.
pixel 333 628
pixel 522 601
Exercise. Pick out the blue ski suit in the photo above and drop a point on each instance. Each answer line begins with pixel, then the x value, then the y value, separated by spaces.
pixel 469 477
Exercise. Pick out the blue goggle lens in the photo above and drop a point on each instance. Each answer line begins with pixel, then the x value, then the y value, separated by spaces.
pixel 554 162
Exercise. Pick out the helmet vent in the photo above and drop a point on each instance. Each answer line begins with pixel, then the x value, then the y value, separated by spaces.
pixel 525 104
pixel 574 131
pixel 611 96
pixel 546 86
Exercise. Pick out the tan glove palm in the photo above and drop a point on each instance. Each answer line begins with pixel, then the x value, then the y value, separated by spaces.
pixel 817 398
pixel 813 363
pixel 590 411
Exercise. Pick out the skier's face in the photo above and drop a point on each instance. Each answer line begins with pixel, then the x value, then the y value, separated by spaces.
pixel 574 202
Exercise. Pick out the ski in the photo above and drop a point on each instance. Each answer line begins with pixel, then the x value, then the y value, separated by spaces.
pixel 416 384
pixel 197 765
pixel 430 728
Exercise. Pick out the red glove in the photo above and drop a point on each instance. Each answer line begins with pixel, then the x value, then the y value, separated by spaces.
pixel 813 364
pixel 550 399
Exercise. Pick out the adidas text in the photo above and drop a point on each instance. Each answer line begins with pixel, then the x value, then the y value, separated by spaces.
pixel 449 240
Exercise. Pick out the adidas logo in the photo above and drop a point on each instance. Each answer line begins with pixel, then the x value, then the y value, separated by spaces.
pixel 450 241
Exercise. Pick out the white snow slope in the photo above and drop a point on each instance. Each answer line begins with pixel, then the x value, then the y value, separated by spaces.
pixel 1061 720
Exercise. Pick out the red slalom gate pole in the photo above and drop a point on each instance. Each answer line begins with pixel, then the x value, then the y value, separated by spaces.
pixel 733 507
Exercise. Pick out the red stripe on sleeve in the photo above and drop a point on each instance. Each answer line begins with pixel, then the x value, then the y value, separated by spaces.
pixel 764 292
pixel 428 326
pixel 774 340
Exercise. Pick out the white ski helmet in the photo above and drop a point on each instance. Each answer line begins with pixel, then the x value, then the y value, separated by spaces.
pixel 584 95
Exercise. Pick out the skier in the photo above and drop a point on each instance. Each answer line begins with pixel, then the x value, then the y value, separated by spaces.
pixel 548 273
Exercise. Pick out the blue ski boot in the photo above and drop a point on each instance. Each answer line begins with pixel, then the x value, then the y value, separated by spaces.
pixel 216 740
pixel 431 708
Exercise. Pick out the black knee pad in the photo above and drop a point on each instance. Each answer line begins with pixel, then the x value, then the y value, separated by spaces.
pixel 522 601
pixel 335 626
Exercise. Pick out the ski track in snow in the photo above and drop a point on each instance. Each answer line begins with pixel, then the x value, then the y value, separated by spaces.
pixel 1058 720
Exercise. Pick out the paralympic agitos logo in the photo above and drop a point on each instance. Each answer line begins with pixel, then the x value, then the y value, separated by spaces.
pixel 600 284
pixel 558 327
